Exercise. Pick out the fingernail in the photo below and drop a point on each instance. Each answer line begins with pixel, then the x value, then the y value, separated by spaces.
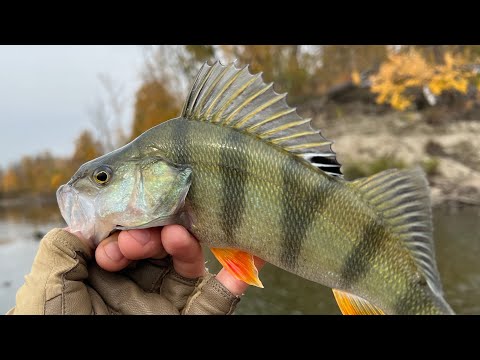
pixel 141 236
pixel 113 251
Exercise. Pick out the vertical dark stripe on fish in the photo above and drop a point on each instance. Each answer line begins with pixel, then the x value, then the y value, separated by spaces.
pixel 403 304
pixel 299 206
pixel 181 139
pixel 233 163
pixel 360 259
pixel 180 134
pixel 419 299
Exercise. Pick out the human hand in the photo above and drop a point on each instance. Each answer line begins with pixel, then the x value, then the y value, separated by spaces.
pixel 62 280
pixel 122 248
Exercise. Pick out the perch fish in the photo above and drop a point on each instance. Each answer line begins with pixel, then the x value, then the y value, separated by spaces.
pixel 248 176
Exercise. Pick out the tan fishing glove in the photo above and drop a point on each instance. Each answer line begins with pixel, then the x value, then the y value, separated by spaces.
pixel 64 280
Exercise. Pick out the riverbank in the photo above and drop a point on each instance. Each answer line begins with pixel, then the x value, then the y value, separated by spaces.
pixel 30 200
pixel 449 153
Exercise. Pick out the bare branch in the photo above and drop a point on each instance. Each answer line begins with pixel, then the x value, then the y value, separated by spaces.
pixel 107 113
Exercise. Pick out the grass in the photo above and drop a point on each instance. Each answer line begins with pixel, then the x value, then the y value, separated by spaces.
pixel 357 170
pixel 430 165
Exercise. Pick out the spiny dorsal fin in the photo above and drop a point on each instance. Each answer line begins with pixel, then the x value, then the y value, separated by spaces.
pixel 233 97
pixel 350 304
pixel 402 198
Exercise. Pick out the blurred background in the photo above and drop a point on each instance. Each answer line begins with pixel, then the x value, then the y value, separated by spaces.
pixel 384 106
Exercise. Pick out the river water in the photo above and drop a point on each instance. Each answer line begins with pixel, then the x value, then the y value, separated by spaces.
pixel 457 237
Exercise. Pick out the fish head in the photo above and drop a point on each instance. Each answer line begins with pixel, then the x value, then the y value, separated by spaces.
pixel 123 191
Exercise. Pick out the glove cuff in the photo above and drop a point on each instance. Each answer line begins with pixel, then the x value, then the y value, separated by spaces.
pixel 57 272
pixel 211 297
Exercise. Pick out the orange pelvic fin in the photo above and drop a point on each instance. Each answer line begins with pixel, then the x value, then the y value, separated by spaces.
pixel 238 263
pixel 354 305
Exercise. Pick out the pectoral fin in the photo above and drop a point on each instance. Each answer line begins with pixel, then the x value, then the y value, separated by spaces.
pixel 354 305
pixel 238 263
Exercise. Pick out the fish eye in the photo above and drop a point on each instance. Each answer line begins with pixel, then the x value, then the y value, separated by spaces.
pixel 102 175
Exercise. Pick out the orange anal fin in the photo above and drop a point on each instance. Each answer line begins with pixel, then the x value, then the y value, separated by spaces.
pixel 354 305
pixel 238 263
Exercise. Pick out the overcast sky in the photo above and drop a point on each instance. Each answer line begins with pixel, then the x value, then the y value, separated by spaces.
pixel 46 93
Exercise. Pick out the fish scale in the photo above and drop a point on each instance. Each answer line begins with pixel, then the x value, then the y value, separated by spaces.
pixel 251 177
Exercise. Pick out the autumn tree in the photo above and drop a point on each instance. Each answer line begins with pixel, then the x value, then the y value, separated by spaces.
pixel 154 104
pixel 339 62
pixel 63 171
pixel 435 54
pixel 106 114
pixel 170 70
pixel 86 149
pixel 39 174
pixel 290 66
pixel 10 181
pixel 305 72
pixel 193 56
pixel 43 168
pixel 175 66
pixel 168 73
pixel 405 71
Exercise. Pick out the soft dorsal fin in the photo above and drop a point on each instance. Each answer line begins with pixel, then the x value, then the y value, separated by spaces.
pixel 228 96
pixel 402 198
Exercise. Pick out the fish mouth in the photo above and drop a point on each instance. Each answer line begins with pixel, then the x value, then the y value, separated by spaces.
pixel 66 197
pixel 74 210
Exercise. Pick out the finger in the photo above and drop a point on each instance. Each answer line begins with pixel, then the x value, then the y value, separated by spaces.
pixel 187 254
pixel 235 286
pixel 109 255
pixel 188 263
pixel 141 244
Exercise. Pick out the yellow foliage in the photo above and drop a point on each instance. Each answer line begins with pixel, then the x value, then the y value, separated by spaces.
pixel 356 77
pixel 399 72
pixel 56 181
pixel 86 148
pixel 10 181
pixel 155 103
pixel 404 71
pixel 451 75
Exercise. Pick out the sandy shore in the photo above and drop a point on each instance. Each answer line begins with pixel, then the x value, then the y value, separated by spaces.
pixel 451 151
